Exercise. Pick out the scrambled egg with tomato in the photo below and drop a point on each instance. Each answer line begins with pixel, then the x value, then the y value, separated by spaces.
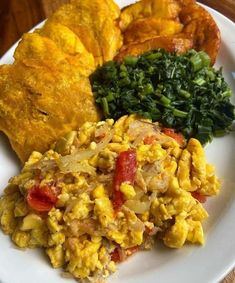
pixel 106 191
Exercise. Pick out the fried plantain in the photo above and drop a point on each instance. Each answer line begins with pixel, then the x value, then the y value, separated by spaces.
pixel 71 45
pixel 186 19
pixel 200 26
pixel 95 23
pixel 42 96
pixel 167 9
pixel 171 44
pixel 142 29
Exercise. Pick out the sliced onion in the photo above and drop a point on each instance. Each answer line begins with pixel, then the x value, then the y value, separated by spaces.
pixel 148 243
pixel 139 193
pixel 152 169
pixel 105 178
pixel 70 163
pixel 44 165
pixel 154 231
pixel 137 126
pixel 137 226
pixel 78 167
pixel 158 185
pixel 141 136
pixel 80 155
pixel 153 196
pixel 102 130
pixel 139 180
pixel 138 130
pixel 87 226
pixel 66 275
pixel 138 206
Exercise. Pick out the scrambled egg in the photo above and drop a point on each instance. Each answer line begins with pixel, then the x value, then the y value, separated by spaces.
pixel 93 213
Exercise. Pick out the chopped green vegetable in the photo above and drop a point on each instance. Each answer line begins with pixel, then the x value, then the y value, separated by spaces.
pixel 131 60
pixel 179 113
pixel 180 91
pixel 105 106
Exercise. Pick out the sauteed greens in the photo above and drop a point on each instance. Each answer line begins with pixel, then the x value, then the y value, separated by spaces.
pixel 181 91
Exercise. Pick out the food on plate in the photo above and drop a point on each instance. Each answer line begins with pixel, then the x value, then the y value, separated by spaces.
pixel 50 74
pixel 46 92
pixel 106 191
pixel 92 193
pixel 71 45
pixel 170 44
pixel 95 23
pixel 200 26
pixel 181 91
pixel 164 9
pixel 144 29
pixel 42 96
pixel 152 19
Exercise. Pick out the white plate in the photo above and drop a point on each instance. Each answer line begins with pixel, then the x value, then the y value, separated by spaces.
pixel 192 264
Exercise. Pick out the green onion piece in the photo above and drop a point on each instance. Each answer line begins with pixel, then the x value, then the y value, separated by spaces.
pixel 219 82
pixel 203 129
pixel 123 74
pixel 158 91
pixel 184 93
pixel 131 60
pixel 179 113
pixel 199 81
pixel 148 88
pixel 150 69
pixel 227 93
pixel 164 100
pixel 98 100
pixel 168 106
pixel 154 56
pixel 196 62
pixel 105 106
pixel 160 86
pixel 124 81
pixel 206 60
pixel 211 75
pixel 155 116
pixel 110 97
pixel 123 68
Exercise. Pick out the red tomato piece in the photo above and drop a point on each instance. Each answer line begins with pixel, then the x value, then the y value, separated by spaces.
pixel 115 255
pixel 131 251
pixel 171 133
pixel 118 254
pixel 199 197
pixel 149 140
pixel 41 199
pixel 126 165
pixel 118 199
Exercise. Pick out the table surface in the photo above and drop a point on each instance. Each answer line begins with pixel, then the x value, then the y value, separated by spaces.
pixel 19 16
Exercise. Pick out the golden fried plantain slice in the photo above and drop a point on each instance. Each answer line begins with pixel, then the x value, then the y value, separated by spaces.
pixel 95 23
pixel 42 96
pixel 167 9
pixel 171 44
pixel 200 26
pixel 108 5
pixel 142 29
pixel 70 44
